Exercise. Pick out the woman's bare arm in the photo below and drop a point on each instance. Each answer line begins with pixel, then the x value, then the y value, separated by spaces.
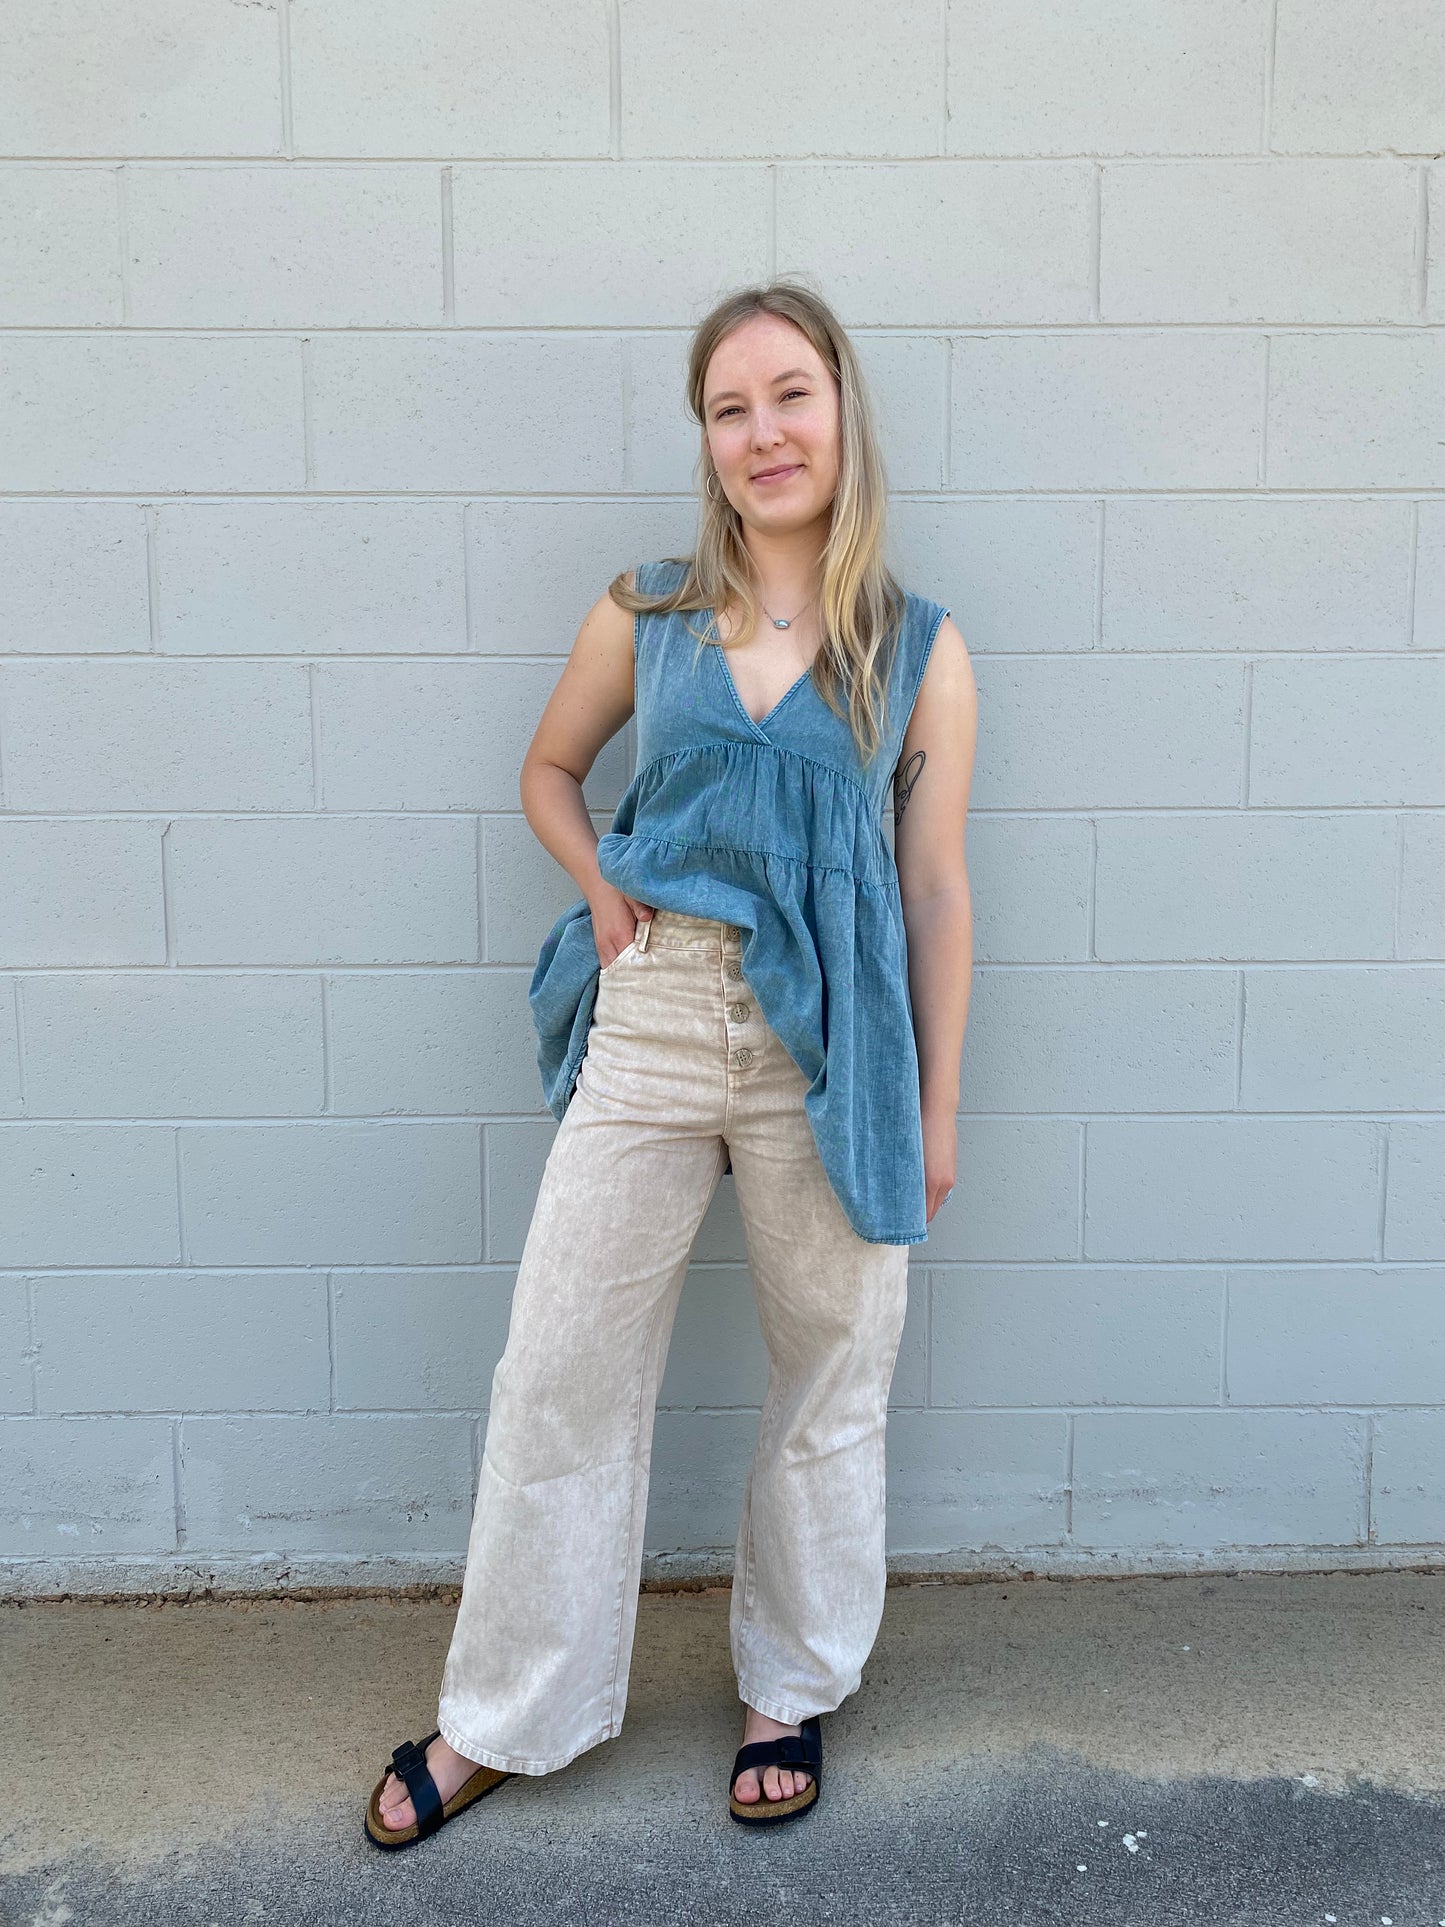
pixel 593 698
pixel 930 800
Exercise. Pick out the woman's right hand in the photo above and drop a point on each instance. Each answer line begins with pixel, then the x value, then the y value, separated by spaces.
pixel 614 922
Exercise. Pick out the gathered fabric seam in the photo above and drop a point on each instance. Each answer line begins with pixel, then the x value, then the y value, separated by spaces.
pixel 727 748
pixel 776 856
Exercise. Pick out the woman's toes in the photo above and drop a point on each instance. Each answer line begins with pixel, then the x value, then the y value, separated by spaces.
pixel 396 1805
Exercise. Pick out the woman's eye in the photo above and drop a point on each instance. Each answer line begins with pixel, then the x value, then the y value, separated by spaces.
pixel 724 413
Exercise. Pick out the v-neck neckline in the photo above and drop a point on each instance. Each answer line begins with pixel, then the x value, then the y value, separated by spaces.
pixel 753 722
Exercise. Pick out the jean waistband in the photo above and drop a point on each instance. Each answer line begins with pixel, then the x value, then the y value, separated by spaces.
pixel 676 930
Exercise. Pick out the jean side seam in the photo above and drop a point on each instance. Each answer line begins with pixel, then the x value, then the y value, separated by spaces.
pixel 620 1612
pixel 770 1407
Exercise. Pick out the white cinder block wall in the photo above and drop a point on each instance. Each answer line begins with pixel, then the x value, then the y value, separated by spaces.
pixel 342 363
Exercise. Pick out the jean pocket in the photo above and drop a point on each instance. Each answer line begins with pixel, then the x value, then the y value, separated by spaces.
pixel 627 950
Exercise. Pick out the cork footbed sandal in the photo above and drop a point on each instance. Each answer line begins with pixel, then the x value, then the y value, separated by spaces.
pixel 408 1763
pixel 804 1749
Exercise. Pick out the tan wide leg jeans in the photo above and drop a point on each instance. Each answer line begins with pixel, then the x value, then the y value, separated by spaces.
pixel 681 1070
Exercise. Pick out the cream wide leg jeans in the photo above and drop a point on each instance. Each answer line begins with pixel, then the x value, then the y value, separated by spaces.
pixel 681 1070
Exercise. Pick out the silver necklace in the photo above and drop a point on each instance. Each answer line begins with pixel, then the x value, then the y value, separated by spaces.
pixel 778 622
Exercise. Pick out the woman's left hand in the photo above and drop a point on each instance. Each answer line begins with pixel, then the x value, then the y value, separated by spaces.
pixel 940 1159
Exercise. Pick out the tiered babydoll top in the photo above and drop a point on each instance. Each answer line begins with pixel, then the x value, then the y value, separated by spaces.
pixel 775 827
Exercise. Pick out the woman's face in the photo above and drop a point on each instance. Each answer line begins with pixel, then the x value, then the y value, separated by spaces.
pixel 769 403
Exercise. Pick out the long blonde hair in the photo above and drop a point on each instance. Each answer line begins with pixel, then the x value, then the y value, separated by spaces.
pixel 860 604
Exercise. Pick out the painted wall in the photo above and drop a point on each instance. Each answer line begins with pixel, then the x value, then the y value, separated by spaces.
pixel 342 368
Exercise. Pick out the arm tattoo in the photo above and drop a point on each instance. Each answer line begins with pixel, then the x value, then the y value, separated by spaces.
pixel 903 782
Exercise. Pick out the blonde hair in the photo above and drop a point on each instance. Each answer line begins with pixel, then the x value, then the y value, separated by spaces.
pixel 860 604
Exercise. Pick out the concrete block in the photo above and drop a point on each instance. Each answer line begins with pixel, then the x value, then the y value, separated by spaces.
pixel 17 1391
pixel 1302 751
pixel 1104 409
pixel 964 1481
pixel 1115 77
pixel 1357 1337
pixel 1101 1040
pixel 539 566
pixel 419 1341
pixel 157 736
pixel 516 1158
pixel 698 1471
pixel 167 1043
pixel 81 892
pixel 860 80
pixel 1407 1498
pixel 1268 241
pixel 1362 1038
pixel 331 1194
pixel 324 890
pixel 1356 409
pixel 75 578
pixel 311 578
pixel 440 1042
pixel 415 411
pixel 11 1103
pixel 1271 573
pixel 1415 1198
pixel 1232 1188
pixel 182 1342
pixel 909 1387
pixel 1016 574
pixel 663 441
pixel 1202 1480
pixel 139 412
pixel 1067 1335
pixel 161 77
pixel 347 1483
pixel 88 1194
pixel 405 735
pixel 628 244
pixel 1430 572
pixel 1422 887
pixel 59 247
pixel 284 247
pixel 944 244
pixel 1110 733
pixel 907 381
pixel 1351 79
pixel 717 1356
pixel 1018 1193
pixel 1029 882
pixel 449 77
pixel 1244 884
pixel 86 1487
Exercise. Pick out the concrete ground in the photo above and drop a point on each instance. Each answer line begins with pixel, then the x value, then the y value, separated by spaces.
pixel 1152 1752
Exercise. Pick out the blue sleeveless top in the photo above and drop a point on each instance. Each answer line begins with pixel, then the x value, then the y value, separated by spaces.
pixel 776 827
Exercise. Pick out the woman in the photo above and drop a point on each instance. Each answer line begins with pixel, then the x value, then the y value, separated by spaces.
pixel 734 991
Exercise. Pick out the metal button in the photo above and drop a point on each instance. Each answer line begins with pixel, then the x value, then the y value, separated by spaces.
pixel 737 1012
pixel 744 1056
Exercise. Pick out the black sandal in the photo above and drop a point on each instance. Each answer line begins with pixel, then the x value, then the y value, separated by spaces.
pixel 409 1765
pixel 804 1749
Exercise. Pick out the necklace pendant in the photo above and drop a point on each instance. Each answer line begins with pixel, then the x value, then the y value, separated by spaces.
pixel 782 625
